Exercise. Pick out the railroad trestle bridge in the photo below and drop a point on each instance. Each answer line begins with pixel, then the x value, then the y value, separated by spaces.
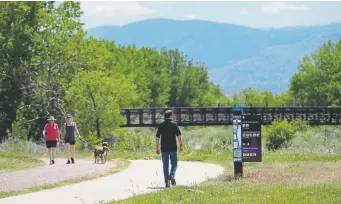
pixel 209 116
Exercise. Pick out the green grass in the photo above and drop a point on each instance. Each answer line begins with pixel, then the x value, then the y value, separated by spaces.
pixel 268 182
pixel 224 158
pixel 283 177
pixel 13 162
pixel 208 156
pixel 306 172
pixel 239 193
pixel 297 156
pixel 120 165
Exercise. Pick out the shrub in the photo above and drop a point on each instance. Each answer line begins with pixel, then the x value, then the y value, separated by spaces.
pixel 92 141
pixel 280 133
pixel 299 125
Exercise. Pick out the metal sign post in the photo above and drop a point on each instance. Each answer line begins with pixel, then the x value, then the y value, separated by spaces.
pixel 237 142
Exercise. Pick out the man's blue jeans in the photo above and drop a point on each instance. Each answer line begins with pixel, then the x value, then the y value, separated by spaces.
pixel 174 164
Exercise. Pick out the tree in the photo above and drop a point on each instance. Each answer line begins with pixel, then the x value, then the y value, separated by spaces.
pixel 318 82
pixel 96 98
pixel 19 24
pixel 177 68
pixel 49 68
pixel 251 97
pixel 39 53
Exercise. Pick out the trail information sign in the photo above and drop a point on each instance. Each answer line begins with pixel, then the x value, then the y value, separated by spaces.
pixel 237 134
pixel 252 138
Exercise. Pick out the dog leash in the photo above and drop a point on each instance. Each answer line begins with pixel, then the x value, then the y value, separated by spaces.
pixel 81 138
pixel 85 142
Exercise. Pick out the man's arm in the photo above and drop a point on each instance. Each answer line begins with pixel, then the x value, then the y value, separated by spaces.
pixel 157 144
pixel 157 139
pixel 178 135
pixel 179 140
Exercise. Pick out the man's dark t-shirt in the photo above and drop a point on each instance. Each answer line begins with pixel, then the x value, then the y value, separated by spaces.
pixel 168 131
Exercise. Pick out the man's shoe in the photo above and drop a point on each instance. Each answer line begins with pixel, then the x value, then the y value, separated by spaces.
pixel 72 160
pixel 68 162
pixel 52 161
pixel 167 184
pixel 172 180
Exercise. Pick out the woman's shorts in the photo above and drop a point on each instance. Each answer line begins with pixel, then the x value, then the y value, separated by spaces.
pixel 51 143
pixel 71 142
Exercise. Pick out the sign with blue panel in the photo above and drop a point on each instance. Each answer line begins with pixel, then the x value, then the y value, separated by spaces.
pixel 237 134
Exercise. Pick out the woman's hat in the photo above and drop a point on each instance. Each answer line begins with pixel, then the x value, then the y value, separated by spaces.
pixel 51 118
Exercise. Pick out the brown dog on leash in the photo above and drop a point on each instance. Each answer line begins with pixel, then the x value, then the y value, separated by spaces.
pixel 101 153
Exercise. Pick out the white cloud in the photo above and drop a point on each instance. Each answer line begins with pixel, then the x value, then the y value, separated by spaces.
pixel 114 8
pixel 113 13
pixel 192 17
pixel 277 7
pixel 243 12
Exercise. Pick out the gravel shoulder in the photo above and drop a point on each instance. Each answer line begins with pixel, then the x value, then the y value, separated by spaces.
pixel 47 174
pixel 142 176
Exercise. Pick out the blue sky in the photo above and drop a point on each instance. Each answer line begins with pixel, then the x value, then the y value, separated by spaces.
pixel 252 14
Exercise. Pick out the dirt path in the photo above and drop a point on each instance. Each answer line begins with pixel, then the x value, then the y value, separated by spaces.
pixel 142 176
pixel 14 181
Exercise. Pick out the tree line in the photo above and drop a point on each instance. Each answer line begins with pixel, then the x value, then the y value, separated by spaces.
pixel 48 67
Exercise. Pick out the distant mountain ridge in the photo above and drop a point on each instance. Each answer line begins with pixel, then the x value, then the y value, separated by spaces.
pixel 237 56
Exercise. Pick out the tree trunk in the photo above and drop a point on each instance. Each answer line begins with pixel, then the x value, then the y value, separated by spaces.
pixel 98 124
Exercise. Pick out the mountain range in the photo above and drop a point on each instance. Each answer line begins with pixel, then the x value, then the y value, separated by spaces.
pixel 237 56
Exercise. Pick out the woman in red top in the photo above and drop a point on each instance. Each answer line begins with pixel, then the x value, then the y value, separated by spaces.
pixel 51 131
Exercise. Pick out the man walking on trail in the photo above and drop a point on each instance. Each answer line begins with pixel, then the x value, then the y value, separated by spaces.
pixel 169 131
pixel 70 130
pixel 51 133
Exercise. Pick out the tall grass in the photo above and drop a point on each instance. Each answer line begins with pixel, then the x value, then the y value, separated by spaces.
pixel 200 142
pixel 143 139
pixel 319 140
pixel 20 146
pixel 322 139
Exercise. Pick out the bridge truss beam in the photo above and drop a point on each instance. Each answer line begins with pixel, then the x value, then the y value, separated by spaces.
pixel 208 116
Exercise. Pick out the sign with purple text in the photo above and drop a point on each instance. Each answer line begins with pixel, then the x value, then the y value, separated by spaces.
pixel 252 138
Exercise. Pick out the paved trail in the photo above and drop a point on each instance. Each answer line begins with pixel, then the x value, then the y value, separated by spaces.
pixel 142 176
pixel 60 171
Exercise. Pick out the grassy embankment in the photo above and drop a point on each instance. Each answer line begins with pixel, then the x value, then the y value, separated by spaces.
pixel 12 162
pixel 22 155
pixel 119 165
pixel 307 171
